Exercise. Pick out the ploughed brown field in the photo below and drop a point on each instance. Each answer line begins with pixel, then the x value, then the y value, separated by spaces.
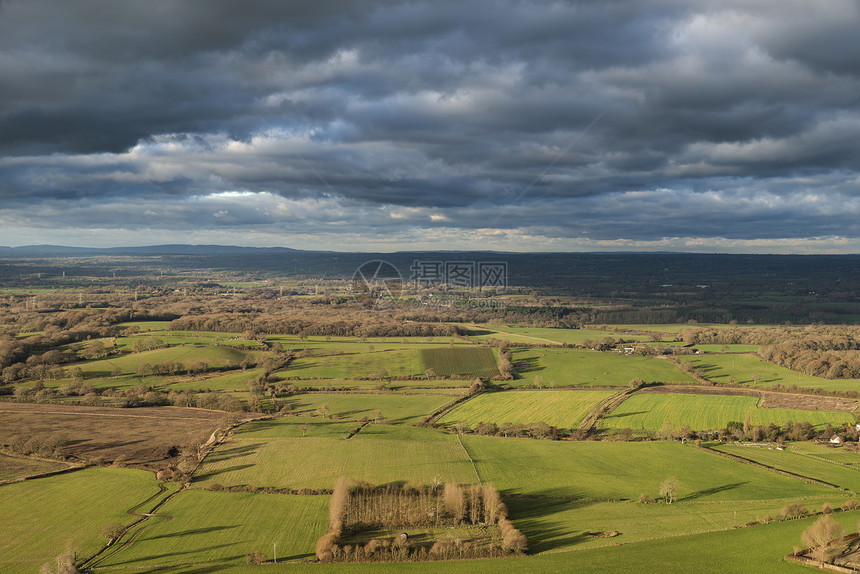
pixel 148 437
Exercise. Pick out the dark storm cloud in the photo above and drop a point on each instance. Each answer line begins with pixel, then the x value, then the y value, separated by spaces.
pixel 604 120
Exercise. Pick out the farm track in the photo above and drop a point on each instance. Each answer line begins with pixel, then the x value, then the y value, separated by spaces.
pixel 143 517
pixel 603 408
pixel 469 456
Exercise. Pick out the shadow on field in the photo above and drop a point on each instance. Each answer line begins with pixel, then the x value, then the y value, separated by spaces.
pixel 186 552
pixel 532 517
pixel 479 332
pixel 527 365
pixel 223 454
pixel 623 415
pixel 191 532
pixel 710 491
pixel 185 570
pixel 216 472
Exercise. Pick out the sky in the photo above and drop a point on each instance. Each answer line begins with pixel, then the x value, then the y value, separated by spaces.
pixel 641 125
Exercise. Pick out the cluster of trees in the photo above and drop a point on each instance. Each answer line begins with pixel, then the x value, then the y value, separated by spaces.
pixel 540 430
pixel 357 506
pixel 828 364
pixel 744 430
pixel 44 446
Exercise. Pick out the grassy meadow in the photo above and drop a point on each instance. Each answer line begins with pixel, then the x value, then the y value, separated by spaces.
pixel 41 517
pixel 650 411
pixel 563 409
pixel 577 367
pixel 223 527
pixel 749 369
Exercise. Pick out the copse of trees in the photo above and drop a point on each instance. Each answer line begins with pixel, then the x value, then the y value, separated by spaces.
pixel 357 506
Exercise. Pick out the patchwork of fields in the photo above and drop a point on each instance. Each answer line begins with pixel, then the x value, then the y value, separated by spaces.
pixel 361 421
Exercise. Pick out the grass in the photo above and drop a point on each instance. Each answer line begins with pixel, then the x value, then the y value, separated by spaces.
pixel 744 369
pixel 649 411
pixel 563 409
pixel 553 525
pixel 797 462
pixel 758 549
pixel 396 408
pixel 547 335
pixel 728 348
pixel 42 515
pixel 13 467
pixel 225 527
pixel 295 427
pixel 576 367
pixel 379 454
pixel 460 361
pixel 232 381
pixel 623 470
pixel 214 355
pixel 374 364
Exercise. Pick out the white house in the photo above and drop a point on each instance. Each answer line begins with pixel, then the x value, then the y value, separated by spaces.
pixel 835 439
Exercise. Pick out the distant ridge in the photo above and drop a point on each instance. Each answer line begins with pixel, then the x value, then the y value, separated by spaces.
pixel 169 249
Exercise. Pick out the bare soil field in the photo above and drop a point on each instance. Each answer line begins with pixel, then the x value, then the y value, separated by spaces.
pixel 807 402
pixel 149 437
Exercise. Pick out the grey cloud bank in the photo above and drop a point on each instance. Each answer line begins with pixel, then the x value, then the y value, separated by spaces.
pixel 723 126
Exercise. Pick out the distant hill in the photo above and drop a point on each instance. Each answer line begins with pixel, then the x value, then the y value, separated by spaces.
pixel 170 249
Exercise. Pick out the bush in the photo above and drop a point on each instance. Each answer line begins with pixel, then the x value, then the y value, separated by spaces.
pixel 255 558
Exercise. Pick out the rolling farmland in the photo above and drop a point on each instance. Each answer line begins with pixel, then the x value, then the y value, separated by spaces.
pixel 563 409
pixel 622 470
pixel 649 411
pixel 48 512
pixel 223 527
pixel 747 368
pixel 378 454
pixel 576 367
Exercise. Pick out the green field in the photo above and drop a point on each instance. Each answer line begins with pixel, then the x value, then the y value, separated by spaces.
pixel 40 516
pixel 378 454
pixel 460 361
pixel 744 369
pixel 623 470
pixel 795 461
pixel 295 427
pixel 223 527
pixel 232 381
pixel 396 408
pixel 376 364
pixel 576 367
pixel 650 411
pixel 728 348
pixel 542 335
pixel 563 409
pixel 758 549
pixel 554 525
pixel 215 356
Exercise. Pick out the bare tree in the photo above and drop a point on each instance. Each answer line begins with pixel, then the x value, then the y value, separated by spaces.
pixel 820 535
pixel 669 490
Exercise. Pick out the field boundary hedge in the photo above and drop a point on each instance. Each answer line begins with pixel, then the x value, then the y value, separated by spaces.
pixel 770 468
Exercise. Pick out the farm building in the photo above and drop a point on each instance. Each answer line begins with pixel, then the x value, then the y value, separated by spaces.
pixel 836 439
